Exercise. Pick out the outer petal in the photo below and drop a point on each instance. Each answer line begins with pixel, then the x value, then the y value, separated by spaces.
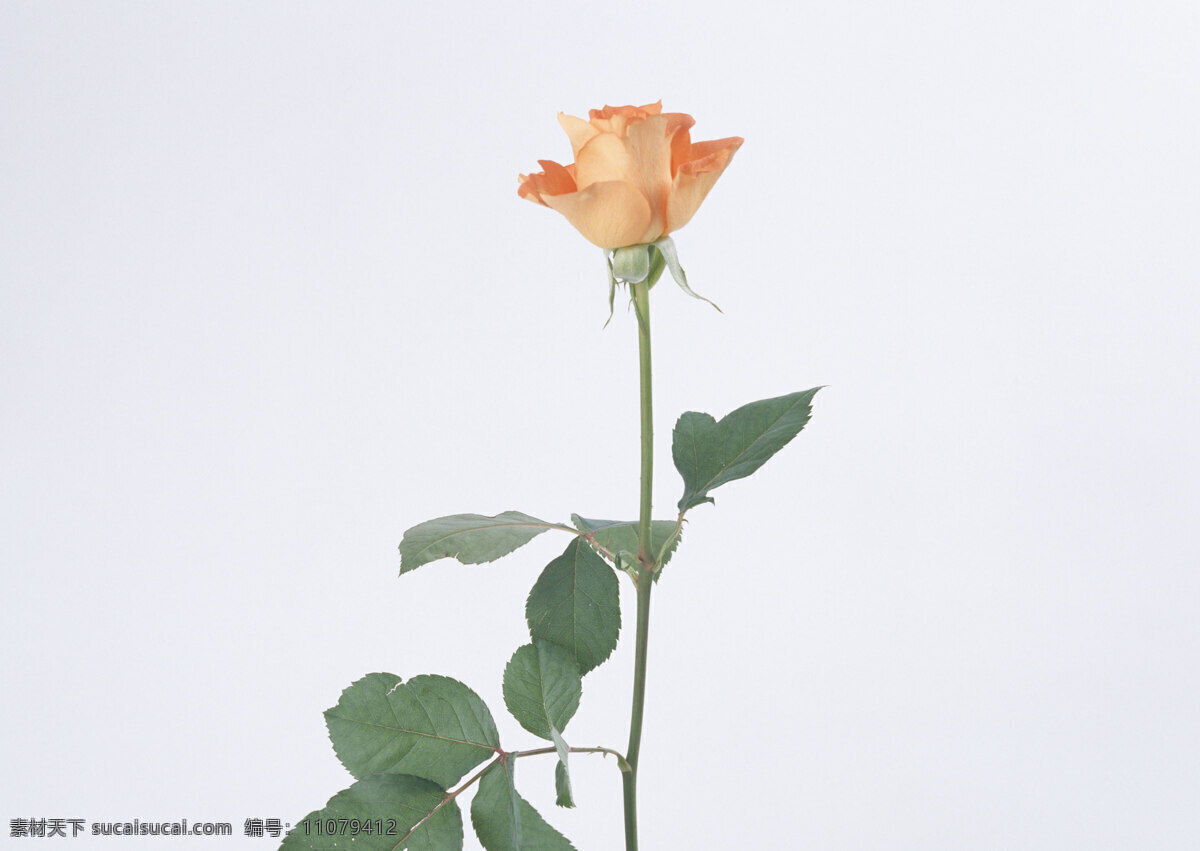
pixel 681 142
pixel 578 131
pixel 650 146
pixel 696 177
pixel 609 214
pixel 526 184
pixel 617 119
pixel 554 180
pixel 704 150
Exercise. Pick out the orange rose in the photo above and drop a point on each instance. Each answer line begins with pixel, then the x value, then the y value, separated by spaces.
pixel 637 176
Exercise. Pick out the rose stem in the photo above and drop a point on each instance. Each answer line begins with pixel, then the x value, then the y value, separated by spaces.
pixel 645 577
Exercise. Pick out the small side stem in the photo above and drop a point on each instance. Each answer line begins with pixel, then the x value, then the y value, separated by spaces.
pixel 646 564
pixel 454 793
pixel 621 762
pixel 450 796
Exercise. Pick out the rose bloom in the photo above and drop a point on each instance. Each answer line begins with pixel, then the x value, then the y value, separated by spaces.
pixel 637 175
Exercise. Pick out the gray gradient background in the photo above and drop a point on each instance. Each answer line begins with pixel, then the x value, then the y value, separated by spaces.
pixel 268 297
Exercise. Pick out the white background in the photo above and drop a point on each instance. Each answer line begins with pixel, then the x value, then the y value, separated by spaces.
pixel 268 298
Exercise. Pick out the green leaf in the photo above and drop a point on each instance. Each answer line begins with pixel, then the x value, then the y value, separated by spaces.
pixel 616 536
pixel 504 821
pixel 410 809
pixel 562 772
pixel 432 727
pixel 575 603
pixel 542 687
pixel 709 453
pixel 470 538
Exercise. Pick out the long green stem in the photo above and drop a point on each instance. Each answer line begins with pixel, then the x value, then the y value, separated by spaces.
pixel 645 578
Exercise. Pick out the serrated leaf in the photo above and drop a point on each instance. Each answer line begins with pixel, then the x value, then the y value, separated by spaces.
pixel 575 603
pixel 562 771
pixel 410 809
pixel 542 687
pixel 469 538
pixel 617 535
pixel 431 727
pixel 504 821
pixel 709 454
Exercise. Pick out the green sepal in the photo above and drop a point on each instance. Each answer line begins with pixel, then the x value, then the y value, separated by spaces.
pixel 424 819
pixel 708 453
pixel 658 265
pixel 666 246
pixel 612 286
pixel 631 264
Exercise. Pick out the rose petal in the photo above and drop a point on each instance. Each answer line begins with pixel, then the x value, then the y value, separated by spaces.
pixel 609 214
pixel 617 119
pixel 681 141
pixel 650 147
pixel 525 188
pixel 558 179
pixel 637 176
pixel 703 151
pixel 555 180
pixel 606 157
pixel 696 177
pixel 578 131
